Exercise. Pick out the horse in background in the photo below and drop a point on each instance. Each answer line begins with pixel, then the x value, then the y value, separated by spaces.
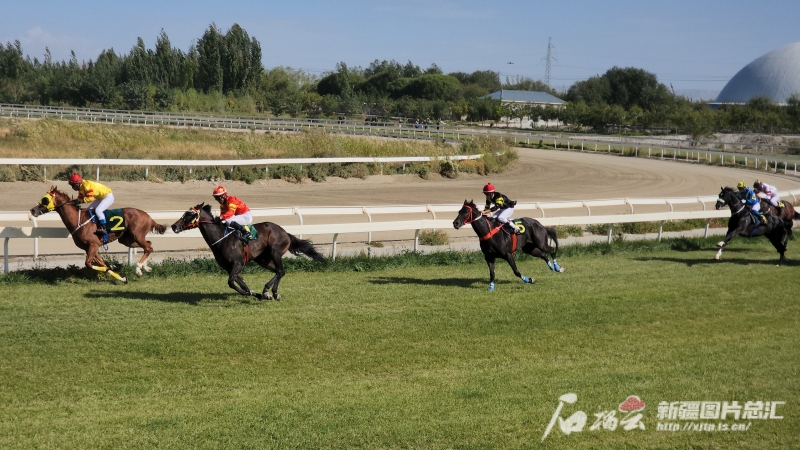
pixel 229 252
pixel 497 241
pixel 129 230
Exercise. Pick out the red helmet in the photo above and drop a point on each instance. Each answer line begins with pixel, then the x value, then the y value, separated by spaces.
pixel 75 179
pixel 488 189
pixel 219 191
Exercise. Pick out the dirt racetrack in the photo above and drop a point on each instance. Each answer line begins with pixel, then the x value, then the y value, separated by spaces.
pixel 538 176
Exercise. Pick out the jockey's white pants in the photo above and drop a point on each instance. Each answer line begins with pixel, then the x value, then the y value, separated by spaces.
pixel 101 204
pixel 756 207
pixel 241 219
pixel 503 215
pixel 774 200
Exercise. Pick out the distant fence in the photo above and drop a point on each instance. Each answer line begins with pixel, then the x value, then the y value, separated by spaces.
pixel 679 150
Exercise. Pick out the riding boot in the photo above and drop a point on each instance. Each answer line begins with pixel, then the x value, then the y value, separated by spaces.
pixel 102 230
pixel 236 226
pixel 513 227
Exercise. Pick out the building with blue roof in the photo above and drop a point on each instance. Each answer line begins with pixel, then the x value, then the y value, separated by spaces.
pixel 528 98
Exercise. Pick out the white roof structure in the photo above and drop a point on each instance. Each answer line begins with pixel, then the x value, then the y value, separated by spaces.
pixel 775 75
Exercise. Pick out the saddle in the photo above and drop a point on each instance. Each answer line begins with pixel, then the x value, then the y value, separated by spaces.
pixel 249 234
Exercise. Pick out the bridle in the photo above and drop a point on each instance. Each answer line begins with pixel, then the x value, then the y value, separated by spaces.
pixel 194 223
pixel 470 217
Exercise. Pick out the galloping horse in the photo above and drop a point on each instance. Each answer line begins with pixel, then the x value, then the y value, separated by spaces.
pixel 130 230
pixel 787 212
pixel 267 250
pixel 497 242
pixel 742 223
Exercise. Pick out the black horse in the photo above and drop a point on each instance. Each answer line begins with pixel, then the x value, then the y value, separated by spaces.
pixel 742 223
pixel 498 242
pixel 267 249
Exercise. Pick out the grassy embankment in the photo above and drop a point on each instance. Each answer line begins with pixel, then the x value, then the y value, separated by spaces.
pixel 404 354
pixel 62 139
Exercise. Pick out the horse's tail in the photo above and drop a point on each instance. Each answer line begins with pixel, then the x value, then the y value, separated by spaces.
pixel 552 233
pixel 304 246
pixel 157 227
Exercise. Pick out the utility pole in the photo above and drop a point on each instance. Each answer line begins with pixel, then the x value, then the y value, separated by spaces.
pixel 549 60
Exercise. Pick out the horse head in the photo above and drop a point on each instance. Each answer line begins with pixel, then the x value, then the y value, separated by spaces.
pixel 467 214
pixel 51 200
pixel 190 219
pixel 727 196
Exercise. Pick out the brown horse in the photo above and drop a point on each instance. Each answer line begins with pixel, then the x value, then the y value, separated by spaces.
pixel 82 229
pixel 787 212
pixel 267 249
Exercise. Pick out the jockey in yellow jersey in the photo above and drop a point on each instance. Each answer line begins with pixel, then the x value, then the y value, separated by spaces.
pixel 99 198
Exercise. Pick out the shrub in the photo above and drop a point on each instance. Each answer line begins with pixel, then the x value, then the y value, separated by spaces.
pixel 433 237
pixel 563 231
pixel 449 169
pixel 7 174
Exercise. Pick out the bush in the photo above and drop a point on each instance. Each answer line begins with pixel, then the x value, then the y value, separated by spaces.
pixel 448 169
pixel 568 230
pixel 7 174
pixel 433 237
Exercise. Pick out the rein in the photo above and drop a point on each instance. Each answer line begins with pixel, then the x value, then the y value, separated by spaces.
pixel 80 225
pixel 491 232
pixel 196 223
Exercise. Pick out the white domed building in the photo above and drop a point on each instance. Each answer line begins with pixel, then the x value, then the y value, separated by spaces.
pixel 775 75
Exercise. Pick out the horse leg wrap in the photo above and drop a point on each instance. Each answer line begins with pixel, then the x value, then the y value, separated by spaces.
pixel 138 269
pixel 528 280
pixel 556 267
pixel 491 286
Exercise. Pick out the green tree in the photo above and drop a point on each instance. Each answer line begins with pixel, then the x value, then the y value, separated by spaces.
pixel 209 63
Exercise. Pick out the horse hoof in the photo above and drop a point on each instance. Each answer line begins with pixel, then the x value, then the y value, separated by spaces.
pixel 266 296
pixel 124 280
pixel 717 257
pixel 277 296
pixel 720 243
pixel 138 273
pixel 491 287
pixel 531 280
pixel 147 269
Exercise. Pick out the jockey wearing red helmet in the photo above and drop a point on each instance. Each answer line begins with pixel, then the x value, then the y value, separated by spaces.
pixel 98 196
pixel 233 211
pixel 502 206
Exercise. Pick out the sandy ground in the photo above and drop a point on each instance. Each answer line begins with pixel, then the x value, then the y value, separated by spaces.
pixel 538 176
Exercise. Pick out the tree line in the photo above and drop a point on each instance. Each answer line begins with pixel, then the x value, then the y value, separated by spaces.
pixel 222 72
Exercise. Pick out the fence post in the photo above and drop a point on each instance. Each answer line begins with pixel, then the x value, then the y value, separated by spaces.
pixel 35 240
pixel 333 249
pixel 708 223
pixel 660 229
pixel 610 227
pixel 97 177
pixel 5 254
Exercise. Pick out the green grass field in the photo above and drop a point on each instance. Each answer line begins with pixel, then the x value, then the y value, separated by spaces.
pixel 409 357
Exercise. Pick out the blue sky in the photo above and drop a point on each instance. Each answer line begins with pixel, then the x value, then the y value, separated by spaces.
pixel 694 45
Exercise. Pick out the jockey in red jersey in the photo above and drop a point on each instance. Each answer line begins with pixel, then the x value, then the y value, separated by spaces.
pixel 232 211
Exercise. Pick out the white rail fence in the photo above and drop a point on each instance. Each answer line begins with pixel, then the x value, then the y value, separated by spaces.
pixel 35 232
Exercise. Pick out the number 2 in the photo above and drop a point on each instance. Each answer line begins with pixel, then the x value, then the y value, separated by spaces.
pixel 118 225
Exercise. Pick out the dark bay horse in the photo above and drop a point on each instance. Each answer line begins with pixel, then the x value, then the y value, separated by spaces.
pixel 82 229
pixel 229 252
pixel 742 223
pixel 787 212
pixel 498 242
